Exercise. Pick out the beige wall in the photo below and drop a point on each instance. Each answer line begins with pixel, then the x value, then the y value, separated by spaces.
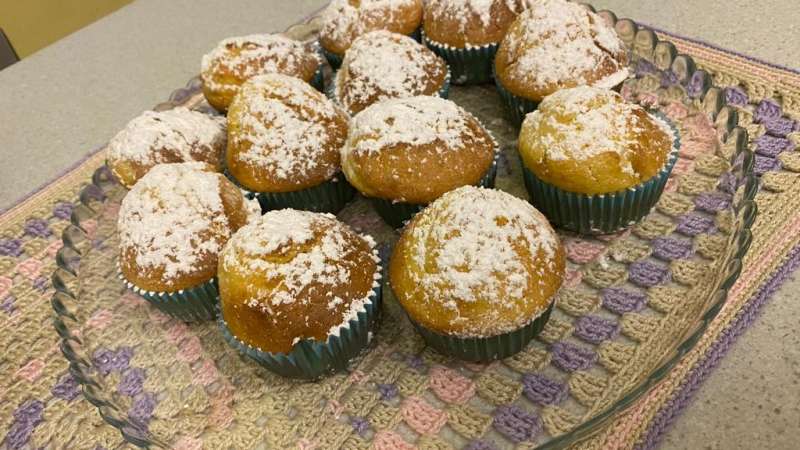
pixel 33 24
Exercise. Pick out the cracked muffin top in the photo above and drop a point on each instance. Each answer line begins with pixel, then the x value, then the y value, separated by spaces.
pixel 345 20
pixel 556 44
pixel 382 65
pixel 589 140
pixel 470 23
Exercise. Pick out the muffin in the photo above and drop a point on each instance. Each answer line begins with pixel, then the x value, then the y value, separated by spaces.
pixel 345 20
pixel 405 153
pixel 555 45
pixel 594 163
pixel 172 136
pixel 172 226
pixel 381 65
pixel 299 292
pixel 284 139
pixel 477 272
pixel 466 33
pixel 235 60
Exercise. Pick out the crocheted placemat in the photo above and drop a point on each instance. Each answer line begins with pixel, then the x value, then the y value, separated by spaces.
pixel 41 405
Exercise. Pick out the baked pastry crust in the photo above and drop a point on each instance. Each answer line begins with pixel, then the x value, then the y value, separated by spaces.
pixel 475 263
pixel 345 20
pixel 590 140
pixel 415 149
pixel 172 136
pixel 173 224
pixel 381 65
pixel 469 23
pixel 555 45
pixel 292 275
pixel 283 135
pixel 234 60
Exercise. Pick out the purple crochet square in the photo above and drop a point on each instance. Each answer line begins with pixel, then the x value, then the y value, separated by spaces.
pixel 644 67
pixel 62 210
pixel 694 88
pixel 360 425
pixel 772 146
pixel 10 247
pixel 387 391
pixel 694 223
pixel 669 248
pixel 648 274
pixel 66 388
pixel 712 202
pixel 764 164
pixel 767 110
pixel 669 78
pixel 517 424
pixel 132 382
pixel 620 300
pixel 736 96
pixel 594 329
pixel 142 408
pixel 780 126
pixel 542 390
pixel 37 228
pixel 570 357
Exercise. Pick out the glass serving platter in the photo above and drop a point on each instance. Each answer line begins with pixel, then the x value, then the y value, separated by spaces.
pixel 633 304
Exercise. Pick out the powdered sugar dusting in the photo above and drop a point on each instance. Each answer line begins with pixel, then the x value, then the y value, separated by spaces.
pixel 556 40
pixel 278 131
pixel 152 136
pixel 381 65
pixel 255 54
pixel 463 10
pixel 299 248
pixel 414 121
pixel 343 20
pixel 173 217
pixel 583 122
pixel 466 242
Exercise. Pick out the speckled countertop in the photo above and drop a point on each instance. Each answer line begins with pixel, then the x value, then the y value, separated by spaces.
pixel 71 97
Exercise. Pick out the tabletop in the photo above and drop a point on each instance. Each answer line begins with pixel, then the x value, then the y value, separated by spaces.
pixel 65 100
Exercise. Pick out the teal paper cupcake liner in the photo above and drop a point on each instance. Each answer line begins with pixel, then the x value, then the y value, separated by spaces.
pixel 471 65
pixel 196 304
pixel 517 107
pixel 311 359
pixel 330 196
pixel 335 60
pixel 485 349
pixel 318 80
pixel 602 213
pixel 396 214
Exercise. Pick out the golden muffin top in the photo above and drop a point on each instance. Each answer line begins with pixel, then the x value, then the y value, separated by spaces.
pixel 173 224
pixel 234 60
pixel 469 23
pixel 292 275
pixel 590 140
pixel 283 135
pixel 345 20
pixel 415 149
pixel 557 44
pixel 175 135
pixel 477 262
pixel 381 65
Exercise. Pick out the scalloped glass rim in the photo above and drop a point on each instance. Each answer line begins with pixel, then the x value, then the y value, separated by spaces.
pixel 643 42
